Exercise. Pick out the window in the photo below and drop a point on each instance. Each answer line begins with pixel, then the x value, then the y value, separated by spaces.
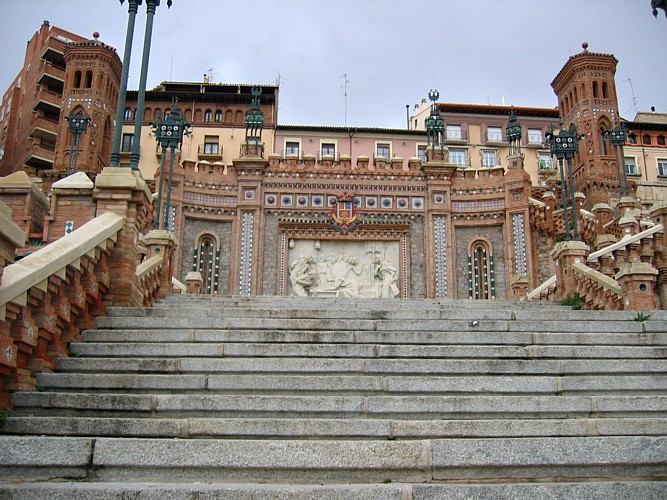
pixel 454 132
pixel 646 139
pixel 77 79
pixel 488 159
pixel 421 153
pixel 603 141
pixel 595 90
pixel 662 167
pixel 458 157
pixel 328 149
pixel 383 150
pixel 494 134
pixel 211 146
pixel 631 166
pixel 661 140
pixel 89 79
pixel 605 90
pixel 544 161
pixel 218 116
pixel 632 139
pixel 127 114
pixel 535 136
pixel 208 115
pixel 292 148
pixel 126 147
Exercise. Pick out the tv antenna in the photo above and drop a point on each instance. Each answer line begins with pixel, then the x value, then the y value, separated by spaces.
pixel 634 97
pixel 344 87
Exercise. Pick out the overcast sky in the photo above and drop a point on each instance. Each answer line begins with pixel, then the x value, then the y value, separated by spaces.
pixel 392 51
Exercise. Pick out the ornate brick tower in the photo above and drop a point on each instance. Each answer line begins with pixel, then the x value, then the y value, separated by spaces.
pixel 92 80
pixel 586 93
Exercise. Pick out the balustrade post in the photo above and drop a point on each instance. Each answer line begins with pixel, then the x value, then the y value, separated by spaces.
pixel 161 242
pixel 194 282
pixel 122 191
pixel 566 253
pixel 637 280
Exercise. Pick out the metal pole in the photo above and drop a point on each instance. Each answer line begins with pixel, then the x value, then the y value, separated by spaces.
pixel 77 138
pixel 574 202
pixel 141 95
pixel 621 188
pixel 167 206
pixel 71 152
pixel 566 217
pixel 625 176
pixel 120 112
pixel 158 219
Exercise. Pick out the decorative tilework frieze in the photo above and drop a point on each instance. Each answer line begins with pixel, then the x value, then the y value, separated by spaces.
pixel 245 271
pixel 440 238
pixel 519 233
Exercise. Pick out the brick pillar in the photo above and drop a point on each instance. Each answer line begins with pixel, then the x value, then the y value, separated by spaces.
pixel 566 253
pixel 519 287
pixel 71 206
pixel 659 216
pixel 122 191
pixel 637 279
pixel 161 242
pixel 194 282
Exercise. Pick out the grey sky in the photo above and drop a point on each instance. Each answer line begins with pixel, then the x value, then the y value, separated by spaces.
pixel 393 51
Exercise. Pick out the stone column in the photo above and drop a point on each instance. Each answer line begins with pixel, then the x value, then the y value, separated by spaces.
pixel 122 191
pixel 566 253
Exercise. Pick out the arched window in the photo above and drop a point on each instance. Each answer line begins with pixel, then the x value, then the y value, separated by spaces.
pixel 595 89
pixel 661 140
pixel 208 115
pixel 127 114
pixel 583 91
pixel 605 90
pixel 646 139
pixel 229 116
pixel 207 262
pixel 481 273
pixel 77 79
pixel 238 117
pixel 218 116
pixel 89 79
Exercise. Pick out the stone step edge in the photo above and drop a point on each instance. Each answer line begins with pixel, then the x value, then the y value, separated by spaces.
pixel 610 490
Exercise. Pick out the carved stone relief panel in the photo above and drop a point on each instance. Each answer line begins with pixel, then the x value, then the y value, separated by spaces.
pixel 326 268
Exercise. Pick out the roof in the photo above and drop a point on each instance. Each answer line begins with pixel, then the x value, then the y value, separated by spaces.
pixel 581 54
pixel 651 117
pixel 350 130
pixel 489 109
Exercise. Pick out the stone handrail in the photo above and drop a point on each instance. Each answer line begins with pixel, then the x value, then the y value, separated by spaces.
pixel 544 287
pixel 54 259
pixel 597 290
pixel 625 241
pixel 49 297
pixel 178 285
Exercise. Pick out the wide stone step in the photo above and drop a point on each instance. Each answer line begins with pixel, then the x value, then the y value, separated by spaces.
pixel 342 428
pixel 402 325
pixel 338 406
pixel 610 490
pixel 329 461
pixel 365 337
pixel 233 349
pixel 358 366
pixel 354 384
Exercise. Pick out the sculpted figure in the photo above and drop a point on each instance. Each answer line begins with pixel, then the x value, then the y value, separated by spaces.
pixel 388 277
pixel 302 276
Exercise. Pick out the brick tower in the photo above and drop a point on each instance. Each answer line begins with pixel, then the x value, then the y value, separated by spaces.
pixel 92 80
pixel 586 92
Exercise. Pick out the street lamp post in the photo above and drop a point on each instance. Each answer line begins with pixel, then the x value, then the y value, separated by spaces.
pixel 78 123
pixel 169 133
pixel 513 132
pixel 564 145
pixel 617 138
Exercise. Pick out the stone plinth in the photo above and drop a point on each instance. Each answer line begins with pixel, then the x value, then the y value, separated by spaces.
pixel 637 279
pixel 194 282
pixel 71 206
pixel 161 242
pixel 11 238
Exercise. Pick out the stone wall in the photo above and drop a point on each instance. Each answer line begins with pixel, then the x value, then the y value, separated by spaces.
pixel 464 235
pixel 272 255
pixel 192 231
pixel 417 253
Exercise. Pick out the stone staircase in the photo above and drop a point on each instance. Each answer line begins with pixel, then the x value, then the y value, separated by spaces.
pixel 278 398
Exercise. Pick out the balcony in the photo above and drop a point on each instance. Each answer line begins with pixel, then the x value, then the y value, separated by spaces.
pixel 51 75
pixel 209 152
pixel 494 138
pixel 456 136
pixel 44 128
pixel 40 156
pixel 54 51
pixel 47 101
